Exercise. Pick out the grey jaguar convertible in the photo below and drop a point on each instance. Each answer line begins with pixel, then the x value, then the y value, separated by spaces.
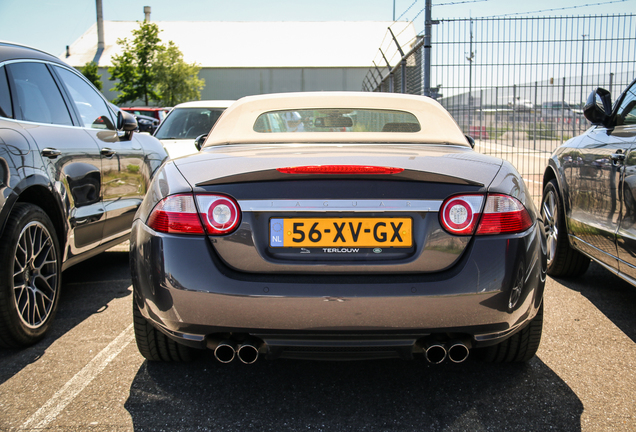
pixel 338 226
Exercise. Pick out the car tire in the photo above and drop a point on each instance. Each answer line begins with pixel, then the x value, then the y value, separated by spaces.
pixel 563 261
pixel 520 347
pixel 156 346
pixel 30 276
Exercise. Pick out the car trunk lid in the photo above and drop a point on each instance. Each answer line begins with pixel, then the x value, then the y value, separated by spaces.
pixel 339 223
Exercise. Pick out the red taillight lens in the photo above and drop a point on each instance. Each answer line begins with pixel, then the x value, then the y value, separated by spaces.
pixel 503 214
pixel 176 214
pixel 459 214
pixel 220 214
pixel 340 169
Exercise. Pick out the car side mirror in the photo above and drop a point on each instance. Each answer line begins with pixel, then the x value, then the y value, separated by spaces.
pixel 127 123
pixel 198 142
pixel 470 140
pixel 598 108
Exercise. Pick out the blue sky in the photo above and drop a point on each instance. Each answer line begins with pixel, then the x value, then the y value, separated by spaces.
pixel 50 25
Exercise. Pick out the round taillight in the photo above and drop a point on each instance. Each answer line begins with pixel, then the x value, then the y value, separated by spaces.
pixel 220 214
pixel 459 214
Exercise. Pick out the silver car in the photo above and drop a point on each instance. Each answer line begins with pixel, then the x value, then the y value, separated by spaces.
pixel 186 122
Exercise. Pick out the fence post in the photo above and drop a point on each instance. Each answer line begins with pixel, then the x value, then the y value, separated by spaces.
pixel 496 114
pixel 403 70
pixel 390 76
pixel 562 111
pixel 377 85
pixel 573 117
pixel 534 135
pixel 481 112
pixel 470 59
pixel 427 47
pixel 403 62
pixel 514 120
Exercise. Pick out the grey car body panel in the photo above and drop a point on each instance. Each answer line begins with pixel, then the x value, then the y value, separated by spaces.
pixel 231 160
pixel 183 287
pixel 434 250
pixel 194 288
pixel 246 250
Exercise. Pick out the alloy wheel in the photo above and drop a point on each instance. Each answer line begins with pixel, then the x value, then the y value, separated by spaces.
pixel 550 215
pixel 35 273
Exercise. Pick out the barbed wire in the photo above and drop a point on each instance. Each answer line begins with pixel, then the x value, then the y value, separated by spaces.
pixel 442 4
pixel 407 9
pixel 557 9
pixel 460 2
pixel 454 3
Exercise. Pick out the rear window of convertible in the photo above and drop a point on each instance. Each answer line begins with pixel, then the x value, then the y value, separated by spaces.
pixel 336 120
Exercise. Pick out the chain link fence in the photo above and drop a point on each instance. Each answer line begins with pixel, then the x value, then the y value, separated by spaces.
pixel 518 85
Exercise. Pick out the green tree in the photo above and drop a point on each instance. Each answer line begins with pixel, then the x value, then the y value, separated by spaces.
pixel 90 72
pixel 134 67
pixel 176 80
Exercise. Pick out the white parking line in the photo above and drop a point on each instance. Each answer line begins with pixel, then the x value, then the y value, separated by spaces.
pixel 64 396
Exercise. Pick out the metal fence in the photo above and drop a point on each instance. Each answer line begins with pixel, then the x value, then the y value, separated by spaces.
pixel 517 85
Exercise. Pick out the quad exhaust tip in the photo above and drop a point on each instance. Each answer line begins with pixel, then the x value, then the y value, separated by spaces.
pixel 248 352
pixel 457 351
pixel 225 351
pixel 436 352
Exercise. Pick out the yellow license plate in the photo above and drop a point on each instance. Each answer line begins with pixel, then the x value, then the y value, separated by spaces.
pixel 332 232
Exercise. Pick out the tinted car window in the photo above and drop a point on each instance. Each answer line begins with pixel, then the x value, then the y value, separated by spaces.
pixel 5 96
pixel 38 97
pixel 90 106
pixel 627 110
pixel 188 123
pixel 337 120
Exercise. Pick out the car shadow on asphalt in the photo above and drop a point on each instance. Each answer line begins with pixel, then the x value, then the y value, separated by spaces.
pixel 386 395
pixel 87 289
pixel 611 295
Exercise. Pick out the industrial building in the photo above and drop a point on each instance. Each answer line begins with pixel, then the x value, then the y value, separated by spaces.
pixel 245 58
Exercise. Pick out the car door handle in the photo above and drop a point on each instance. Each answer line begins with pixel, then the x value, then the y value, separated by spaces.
pixel 51 153
pixel 108 152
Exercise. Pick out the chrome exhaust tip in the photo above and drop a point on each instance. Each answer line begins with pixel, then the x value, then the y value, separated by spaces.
pixel 458 351
pixel 225 351
pixel 248 351
pixel 435 352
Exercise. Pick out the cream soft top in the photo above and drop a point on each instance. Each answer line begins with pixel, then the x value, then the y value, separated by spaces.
pixel 236 124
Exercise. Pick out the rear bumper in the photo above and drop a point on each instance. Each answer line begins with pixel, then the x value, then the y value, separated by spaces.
pixel 184 289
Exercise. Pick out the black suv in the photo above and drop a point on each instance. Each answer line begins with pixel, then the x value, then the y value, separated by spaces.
pixel 589 197
pixel 72 175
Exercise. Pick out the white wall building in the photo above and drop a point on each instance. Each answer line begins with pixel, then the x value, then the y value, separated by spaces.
pixel 245 58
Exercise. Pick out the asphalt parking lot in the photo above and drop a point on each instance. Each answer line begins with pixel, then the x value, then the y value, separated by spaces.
pixel 87 375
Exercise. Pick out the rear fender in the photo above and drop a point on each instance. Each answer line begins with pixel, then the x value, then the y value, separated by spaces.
pixel 509 182
pixel 36 189
pixel 168 180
